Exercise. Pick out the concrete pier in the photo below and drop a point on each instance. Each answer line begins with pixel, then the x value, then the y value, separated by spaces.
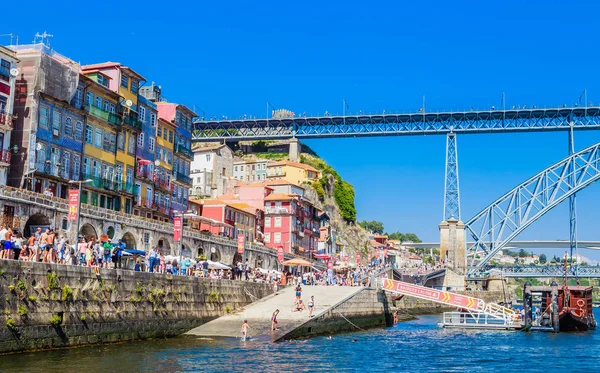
pixel 338 309
pixel 452 249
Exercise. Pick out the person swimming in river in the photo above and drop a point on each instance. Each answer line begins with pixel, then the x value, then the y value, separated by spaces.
pixel 274 323
pixel 245 328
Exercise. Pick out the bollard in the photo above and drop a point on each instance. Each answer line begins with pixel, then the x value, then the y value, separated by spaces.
pixel 554 295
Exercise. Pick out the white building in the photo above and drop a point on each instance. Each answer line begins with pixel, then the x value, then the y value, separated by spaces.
pixel 212 171
pixel 8 76
pixel 250 170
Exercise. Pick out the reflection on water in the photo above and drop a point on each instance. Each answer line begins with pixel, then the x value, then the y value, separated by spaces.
pixel 407 347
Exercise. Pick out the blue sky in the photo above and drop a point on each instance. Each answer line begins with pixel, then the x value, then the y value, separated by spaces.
pixel 231 58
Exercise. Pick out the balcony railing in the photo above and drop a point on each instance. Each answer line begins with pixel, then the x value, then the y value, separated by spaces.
pixel 107 116
pixel 5 158
pixel 182 178
pixel 145 175
pixel 141 202
pixel 276 210
pixel 164 185
pixel 102 183
pixel 132 121
pixel 162 209
pixel 6 121
pixel 126 188
pixel 184 151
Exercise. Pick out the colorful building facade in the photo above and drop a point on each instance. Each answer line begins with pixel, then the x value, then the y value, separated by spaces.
pixel 8 76
pixel 293 172
pixel 145 158
pixel 163 171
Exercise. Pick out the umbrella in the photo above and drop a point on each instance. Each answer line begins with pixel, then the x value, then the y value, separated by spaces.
pixel 216 265
pixel 297 262
pixel 134 252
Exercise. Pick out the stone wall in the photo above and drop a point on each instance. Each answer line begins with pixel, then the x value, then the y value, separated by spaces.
pixel 48 305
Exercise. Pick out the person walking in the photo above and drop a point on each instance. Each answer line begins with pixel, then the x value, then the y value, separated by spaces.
pixel 151 259
pixel 311 306
pixel 245 328
pixel 274 323
pixel 17 245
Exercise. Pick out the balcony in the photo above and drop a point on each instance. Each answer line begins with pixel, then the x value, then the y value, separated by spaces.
pixel 162 209
pixel 5 158
pixel 102 183
pixel 141 202
pixel 279 174
pixel 6 121
pixel 126 188
pixel 144 175
pixel 105 115
pixel 182 178
pixel 132 121
pixel 276 210
pixel 164 185
pixel 184 151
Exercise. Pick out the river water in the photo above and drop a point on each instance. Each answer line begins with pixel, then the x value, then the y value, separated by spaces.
pixel 412 346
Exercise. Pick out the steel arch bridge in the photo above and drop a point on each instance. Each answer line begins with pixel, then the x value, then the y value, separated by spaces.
pixel 499 223
pixel 398 124
pixel 540 272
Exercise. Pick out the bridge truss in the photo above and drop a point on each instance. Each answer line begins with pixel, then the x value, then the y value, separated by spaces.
pixel 538 272
pixel 499 223
pixel 398 124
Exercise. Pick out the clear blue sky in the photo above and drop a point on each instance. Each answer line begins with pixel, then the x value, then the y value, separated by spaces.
pixel 231 58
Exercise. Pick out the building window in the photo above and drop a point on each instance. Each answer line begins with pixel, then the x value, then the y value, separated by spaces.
pixel 99 102
pixel 153 119
pixel 151 144
pixel 267 237
pixel 170 136
pixel 124 81
pixel 76 165
pixel 170 158
pixel 165 134
pixel 159 131
pixel 107 141
pixel 86 167
pixel 278 222
pixel 98 138
pixel 4 70
pixel 140 140
pixel 131 144
pixel 89 134
pixel 208 157
pixel 121 141
pixel 267 222
pixel 89 98
pixel 277 237
pixel 44 116
pixel 56 119
pixel 142 114
pixel 78 98
pixel 102 80
pixel 69 127
pixel 112 108
pixel 78 130
pixel 134 86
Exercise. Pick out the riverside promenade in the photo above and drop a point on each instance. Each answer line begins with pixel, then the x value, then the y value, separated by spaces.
pixel 338 308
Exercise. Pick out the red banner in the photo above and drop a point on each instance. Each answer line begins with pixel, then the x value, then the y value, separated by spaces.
pixel 346 260
pixel 241 239
pixel 73 204
pixel 369 257
pixel 177 223
pixel 460 301
pixel 280 253
pixel 377 254
pixel 385 253
pixel 330 264
pixel 357 258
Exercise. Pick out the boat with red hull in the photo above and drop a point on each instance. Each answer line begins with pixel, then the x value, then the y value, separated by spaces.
pixel 574 308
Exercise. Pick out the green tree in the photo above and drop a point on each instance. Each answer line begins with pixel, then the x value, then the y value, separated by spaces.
pixel 374 226
pixel 543 259
pixel 344 197
pixel 411 237
pixel 523 253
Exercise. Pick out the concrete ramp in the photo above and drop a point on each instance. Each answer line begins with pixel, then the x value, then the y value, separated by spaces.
pixel 259 313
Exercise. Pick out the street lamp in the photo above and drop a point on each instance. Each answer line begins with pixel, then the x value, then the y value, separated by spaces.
pixel 79 183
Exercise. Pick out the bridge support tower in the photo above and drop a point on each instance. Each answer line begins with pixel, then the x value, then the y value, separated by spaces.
pixel 295 150
pixel 452 250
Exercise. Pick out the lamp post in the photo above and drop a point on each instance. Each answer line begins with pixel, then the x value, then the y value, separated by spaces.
pixel 79 183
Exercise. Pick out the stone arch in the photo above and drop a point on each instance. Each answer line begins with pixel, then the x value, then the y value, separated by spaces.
pixel 164 246
pixel 35 221
pixel 185 250
pixel 200 251
pixel 216 256
pixel 110 232
pixel 237 257
pixel 87 231
pixel 259 262
pixel 129 240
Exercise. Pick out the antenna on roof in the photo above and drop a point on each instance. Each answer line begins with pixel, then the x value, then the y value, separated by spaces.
pixel 11 38
pixel 42 38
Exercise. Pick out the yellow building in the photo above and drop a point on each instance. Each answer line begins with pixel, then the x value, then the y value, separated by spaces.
pixel 293 172
pixel 165 139
pixel 100 143
pixel 125 82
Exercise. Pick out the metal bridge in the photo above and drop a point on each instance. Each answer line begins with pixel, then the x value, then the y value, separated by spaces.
pixel 398 124
pixel 535 244
pixel 536 272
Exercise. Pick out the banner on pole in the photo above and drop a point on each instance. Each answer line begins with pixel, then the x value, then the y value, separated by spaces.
pixel 177 222
pixel 73 204
pixel 280 253
pixel 357 258
pixel 330 264
pixel 385 255
pixel 241 239
pixel 377 254
pixel 346 260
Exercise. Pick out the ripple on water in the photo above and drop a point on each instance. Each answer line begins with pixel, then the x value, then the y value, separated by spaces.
pixel 412 346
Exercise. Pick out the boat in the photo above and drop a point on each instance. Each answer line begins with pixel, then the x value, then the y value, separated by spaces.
pixel 575 309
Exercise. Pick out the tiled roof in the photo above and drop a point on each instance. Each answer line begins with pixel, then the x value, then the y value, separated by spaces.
pixel 294 164
pixel 280 197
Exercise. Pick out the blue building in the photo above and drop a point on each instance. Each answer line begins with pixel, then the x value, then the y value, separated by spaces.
pixel 146 147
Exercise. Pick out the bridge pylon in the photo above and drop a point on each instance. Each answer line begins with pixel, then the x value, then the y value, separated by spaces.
pixel 451 184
